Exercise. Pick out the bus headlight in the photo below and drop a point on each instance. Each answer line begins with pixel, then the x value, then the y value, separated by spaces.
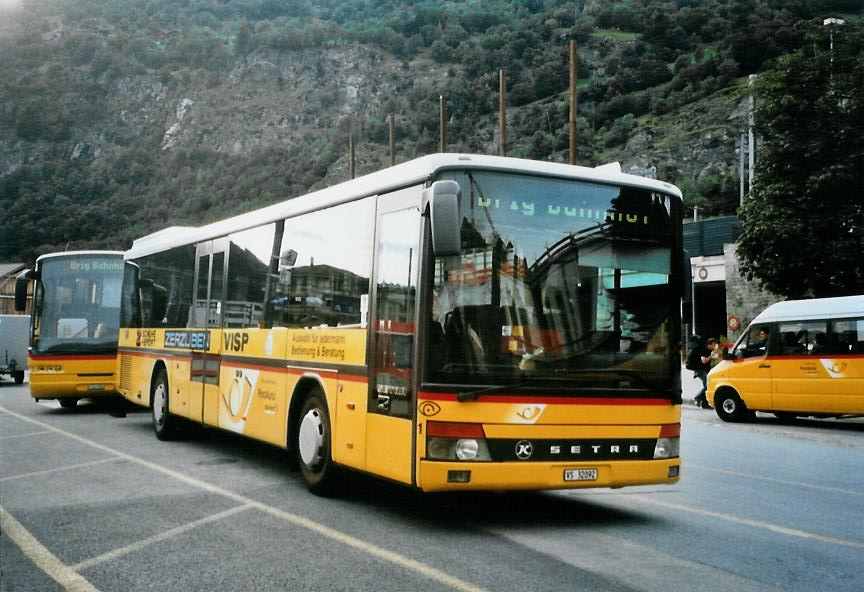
pixel 667 448
pixel 467 449
pixel 668 444
pixel 456 441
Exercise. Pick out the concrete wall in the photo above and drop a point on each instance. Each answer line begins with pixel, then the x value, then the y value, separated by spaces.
pixel 744 299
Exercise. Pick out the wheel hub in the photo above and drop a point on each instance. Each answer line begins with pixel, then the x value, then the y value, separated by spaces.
pixel 311 439
pixel 159 403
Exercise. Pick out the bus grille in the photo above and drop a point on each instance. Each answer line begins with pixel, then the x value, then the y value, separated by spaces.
pixel 125 372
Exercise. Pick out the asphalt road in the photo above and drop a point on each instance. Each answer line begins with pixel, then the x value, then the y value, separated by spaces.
pixel 91 501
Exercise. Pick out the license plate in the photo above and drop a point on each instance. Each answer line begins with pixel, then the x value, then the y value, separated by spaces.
pixel 95 387
pixel 580 474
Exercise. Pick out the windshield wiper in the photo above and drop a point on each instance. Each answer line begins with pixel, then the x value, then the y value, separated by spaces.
pixel 487 390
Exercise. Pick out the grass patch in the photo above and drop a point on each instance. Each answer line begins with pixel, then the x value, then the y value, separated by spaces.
pixel 615 34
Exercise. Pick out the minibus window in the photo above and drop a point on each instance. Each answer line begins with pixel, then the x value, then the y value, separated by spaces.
pixel 756 343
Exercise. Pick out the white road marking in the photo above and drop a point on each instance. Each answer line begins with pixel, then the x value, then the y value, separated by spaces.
pixel 747 522
pixel 57 470
pixel 330 533
pixel 627 562
pixel 773 480
pixel 156 538
pixel 42 557
pixel 27 435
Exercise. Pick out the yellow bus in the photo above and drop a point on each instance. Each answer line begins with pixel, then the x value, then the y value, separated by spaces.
pixel 77 305
pixel 454 322
pixel 797 358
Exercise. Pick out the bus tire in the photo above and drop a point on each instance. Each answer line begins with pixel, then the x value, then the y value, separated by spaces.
pixel 68 403
pixel 164 424
pixel 730 407
pixel 313 445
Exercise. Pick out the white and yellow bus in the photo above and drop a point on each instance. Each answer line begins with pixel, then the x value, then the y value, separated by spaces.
pixel 77 309
pixel 797 358
pixel 453 322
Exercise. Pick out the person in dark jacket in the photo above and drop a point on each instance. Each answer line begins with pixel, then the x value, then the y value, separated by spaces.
pixel 698 360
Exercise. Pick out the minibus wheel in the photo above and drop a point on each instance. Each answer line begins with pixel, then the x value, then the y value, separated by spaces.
pixel 730 407
pixel 313 445
pixel 164 425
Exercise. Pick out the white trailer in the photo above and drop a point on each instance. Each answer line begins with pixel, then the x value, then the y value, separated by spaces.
pixel 14 341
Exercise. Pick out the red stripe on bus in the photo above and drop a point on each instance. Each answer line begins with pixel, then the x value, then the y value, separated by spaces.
pixel 787 358
pixel 70 357
pixel 521 399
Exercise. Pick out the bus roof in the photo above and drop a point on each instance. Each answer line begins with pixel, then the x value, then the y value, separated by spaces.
pixel 79 254
pixel 816 308
pixel 408 173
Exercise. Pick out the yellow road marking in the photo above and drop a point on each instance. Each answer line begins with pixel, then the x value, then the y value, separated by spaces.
pixel 156 538
pixel 773 480
pixel 27 435
pixel 330 533
pixel 747 522
pixel 57 470
pixel 42 557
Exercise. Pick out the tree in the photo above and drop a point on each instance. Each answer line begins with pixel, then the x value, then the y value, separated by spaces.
pixel 803 229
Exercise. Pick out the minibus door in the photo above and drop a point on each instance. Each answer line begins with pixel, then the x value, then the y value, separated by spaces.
pixel 207 316
pixel 392 397
pixel 753 369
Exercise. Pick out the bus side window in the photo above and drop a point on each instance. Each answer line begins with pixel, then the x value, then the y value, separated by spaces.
pixel 847 337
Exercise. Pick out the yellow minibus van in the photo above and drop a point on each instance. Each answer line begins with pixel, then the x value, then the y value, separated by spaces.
pixel 797 358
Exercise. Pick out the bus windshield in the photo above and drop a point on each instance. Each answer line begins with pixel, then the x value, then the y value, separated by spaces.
pixel 559 283
pixel 77 304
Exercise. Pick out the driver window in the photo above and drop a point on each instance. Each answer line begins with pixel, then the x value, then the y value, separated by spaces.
pixel 756 343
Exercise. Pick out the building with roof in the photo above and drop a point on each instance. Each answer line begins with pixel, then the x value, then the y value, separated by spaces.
pixel 724 302
pixel 8 273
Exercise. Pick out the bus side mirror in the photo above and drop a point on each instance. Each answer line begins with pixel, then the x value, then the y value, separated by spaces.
pixel 160 302
pixel 154 296
pixel 443 200
pixel 22 281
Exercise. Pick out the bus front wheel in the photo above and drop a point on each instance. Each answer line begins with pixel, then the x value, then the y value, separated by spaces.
pixel 314 436
pixel 164 424
pixel 69 403
pixel 730 407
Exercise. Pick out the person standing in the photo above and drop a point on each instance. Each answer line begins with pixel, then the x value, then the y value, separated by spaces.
pixel 716 352
pixel 698 360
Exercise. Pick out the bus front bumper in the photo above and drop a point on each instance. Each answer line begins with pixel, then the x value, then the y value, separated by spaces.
pixel 58 386
pixel 462 476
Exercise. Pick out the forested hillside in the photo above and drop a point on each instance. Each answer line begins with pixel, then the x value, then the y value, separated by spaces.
pixel 120 117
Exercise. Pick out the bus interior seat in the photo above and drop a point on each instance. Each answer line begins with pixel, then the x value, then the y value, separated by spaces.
pixel 473 331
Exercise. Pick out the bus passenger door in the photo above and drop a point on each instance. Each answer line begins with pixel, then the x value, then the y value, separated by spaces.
pixel 389 431
pixel 207 316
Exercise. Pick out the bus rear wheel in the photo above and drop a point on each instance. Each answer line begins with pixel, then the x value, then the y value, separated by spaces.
pixel 164 425
pixel 730 407
pixel 313 445
pixel 68 403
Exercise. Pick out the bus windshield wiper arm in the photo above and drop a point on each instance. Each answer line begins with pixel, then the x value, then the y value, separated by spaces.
pixel 486 390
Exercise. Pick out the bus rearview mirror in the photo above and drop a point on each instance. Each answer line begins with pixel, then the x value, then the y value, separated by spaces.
pixel 443 200
pixel 22 281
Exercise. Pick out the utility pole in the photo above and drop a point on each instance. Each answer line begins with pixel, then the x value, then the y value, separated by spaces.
pixel 502 117
pixel 442 144
pixel 741 170
pixel 751 144
pixel 831 23
pixel 351 167
pixel 392 141
pixel 572 119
